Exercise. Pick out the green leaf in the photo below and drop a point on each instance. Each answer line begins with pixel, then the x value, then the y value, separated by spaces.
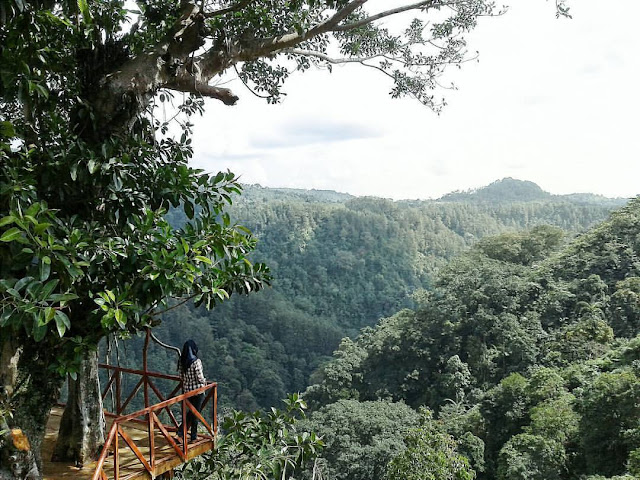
pixel 7 130
pixel 62 322
pixel 120 318
pixel 45 268
pixel 117 183
pixel 204 259
pixel 5 317
pixel 83 6
pixel 63 297
pixel 10 235
pixel 7 220
pixel 41 227
pixel 65 319
pixel 39 331
pixel 188 209
pixel 22 282
pixel 33 210
pixel 49 313
pixel 48 288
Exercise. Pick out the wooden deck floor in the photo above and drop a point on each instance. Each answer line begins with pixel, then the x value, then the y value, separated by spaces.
pixel 130 467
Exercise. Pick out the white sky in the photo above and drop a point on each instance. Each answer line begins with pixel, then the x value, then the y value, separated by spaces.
pixel 551 101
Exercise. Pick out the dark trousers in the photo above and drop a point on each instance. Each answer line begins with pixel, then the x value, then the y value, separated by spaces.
pixel 192 420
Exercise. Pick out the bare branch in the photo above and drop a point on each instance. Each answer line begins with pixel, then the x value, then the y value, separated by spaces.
pixel 264 97
pixel 327 58
pixel 182 302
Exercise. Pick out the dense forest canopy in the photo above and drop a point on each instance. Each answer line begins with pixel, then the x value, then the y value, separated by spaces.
pixel 526 350
pixel 341 263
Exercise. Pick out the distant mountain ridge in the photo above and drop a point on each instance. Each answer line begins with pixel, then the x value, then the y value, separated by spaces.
pixel 258 192
pixel 503 191
pixel 511 190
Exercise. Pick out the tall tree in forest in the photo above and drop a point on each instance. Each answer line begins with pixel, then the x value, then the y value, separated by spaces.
pixel 87 170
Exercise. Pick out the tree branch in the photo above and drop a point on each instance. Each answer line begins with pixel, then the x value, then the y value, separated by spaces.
pixel 191 85
pixel 327 58
pixel 172 307
pixel 222 11
pixel 268 45
pixel 387 13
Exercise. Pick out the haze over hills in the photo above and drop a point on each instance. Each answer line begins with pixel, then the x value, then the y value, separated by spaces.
pixel 340 263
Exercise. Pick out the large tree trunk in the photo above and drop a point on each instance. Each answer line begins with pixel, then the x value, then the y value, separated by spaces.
pixel 30 389
pixel 82 427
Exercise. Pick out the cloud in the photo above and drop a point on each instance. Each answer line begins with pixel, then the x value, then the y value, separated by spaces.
pixel 535 100
pixel 311 132
pixel 591 69
pixel 559 109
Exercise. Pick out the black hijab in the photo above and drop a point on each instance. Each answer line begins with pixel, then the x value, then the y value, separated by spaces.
pixel 189 354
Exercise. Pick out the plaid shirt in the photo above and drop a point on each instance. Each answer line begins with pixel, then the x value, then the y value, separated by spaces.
pixel 193 378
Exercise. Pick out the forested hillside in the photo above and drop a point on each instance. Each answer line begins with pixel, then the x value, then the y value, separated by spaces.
pixel 525 353
pixel 340 263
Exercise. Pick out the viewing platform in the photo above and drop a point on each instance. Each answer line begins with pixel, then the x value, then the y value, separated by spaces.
pixel 142 444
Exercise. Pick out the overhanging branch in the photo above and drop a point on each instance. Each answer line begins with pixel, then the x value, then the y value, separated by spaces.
pixel 269 45
pixel 189 85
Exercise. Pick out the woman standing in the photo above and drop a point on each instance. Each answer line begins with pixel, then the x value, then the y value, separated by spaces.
pixel 190 368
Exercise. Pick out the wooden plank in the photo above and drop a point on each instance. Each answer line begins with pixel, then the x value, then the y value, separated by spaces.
pixel 152 442
pixel 130 397
pixel 175 390
pixel 215 413
pixel 166 403
pixel 116 456
pixel 184 426
pixel 162 399
pixel 105 450
pixel 195 411
pixel 156 390
pixel 118 391
pixel 168 437
pixel 109 383
pixel 170 462
pixel 134 448
pixel 140 372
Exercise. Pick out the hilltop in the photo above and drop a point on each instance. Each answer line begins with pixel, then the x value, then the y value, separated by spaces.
pixel 511 190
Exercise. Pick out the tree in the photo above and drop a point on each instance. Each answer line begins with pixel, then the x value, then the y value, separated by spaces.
pixel 527 456
pixel 609 423
pixel 259 446
pixel 361 437
pixel 431 454
pixel 88 170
